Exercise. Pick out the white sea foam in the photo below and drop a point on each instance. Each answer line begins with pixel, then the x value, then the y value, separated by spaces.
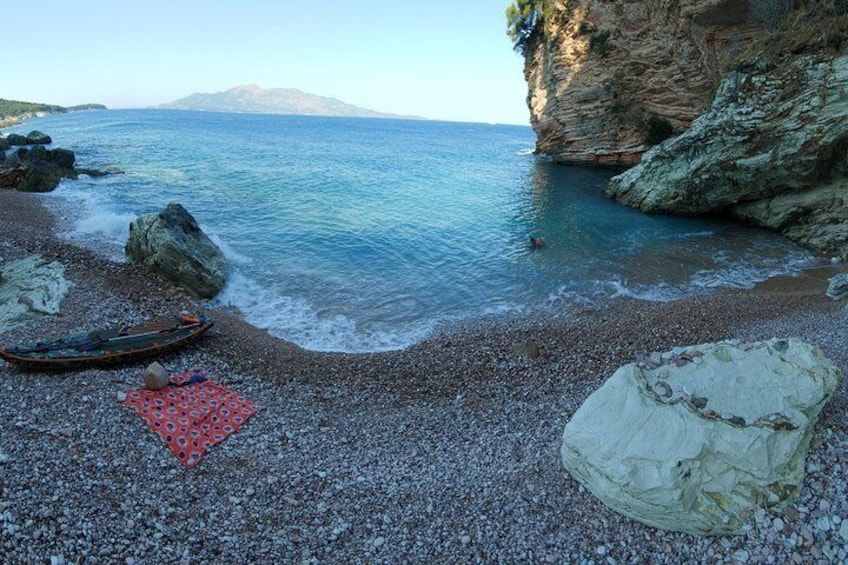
pixel 86 219
pixel 526 151
pixel 229 252
pixel 103 224
pixel 295 320
pixel 742 275
pixel 728 273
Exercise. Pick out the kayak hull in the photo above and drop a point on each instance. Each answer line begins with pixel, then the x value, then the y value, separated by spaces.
pixel 108 347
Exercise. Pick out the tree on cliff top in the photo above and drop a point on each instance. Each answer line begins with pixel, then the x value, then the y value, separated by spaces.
pixel 521 19
pixel 15 108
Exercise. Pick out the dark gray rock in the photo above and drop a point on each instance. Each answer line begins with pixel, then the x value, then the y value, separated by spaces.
pixel 837 287
pixel 36 153
pixel 172 245
pixel 40 176
pixel 38 138
pixel 16 139
pixel 62 158
pixel 4 144
pixel 17 158
pixel 11 178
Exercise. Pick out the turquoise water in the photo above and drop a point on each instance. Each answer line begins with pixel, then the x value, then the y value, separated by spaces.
pixel 367 234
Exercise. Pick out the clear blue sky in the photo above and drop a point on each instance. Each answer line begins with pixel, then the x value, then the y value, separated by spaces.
pixel 440 59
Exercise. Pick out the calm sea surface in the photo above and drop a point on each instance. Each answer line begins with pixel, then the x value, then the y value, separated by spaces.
pixel 366 234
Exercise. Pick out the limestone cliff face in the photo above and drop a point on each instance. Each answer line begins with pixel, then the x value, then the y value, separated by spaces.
pixel 772 149
pixel 607 78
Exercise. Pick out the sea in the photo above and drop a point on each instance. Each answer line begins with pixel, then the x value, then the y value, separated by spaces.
pixel 365 235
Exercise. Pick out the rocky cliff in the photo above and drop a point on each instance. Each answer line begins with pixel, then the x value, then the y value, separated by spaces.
pixel 608 79
pixel 772 149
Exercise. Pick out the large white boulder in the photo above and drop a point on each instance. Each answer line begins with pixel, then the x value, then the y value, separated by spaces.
pixel 694 440
pixel 30 288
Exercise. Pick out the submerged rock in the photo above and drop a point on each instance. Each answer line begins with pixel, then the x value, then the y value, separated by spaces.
pixel 172 245
pixel 30 288
pixel 700 441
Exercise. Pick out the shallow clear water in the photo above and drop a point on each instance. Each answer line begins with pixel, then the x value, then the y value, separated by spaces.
pixel 366 234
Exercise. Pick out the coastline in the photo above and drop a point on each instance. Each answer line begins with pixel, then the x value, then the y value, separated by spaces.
pixel 447 451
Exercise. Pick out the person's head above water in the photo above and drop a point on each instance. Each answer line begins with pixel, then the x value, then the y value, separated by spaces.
pixel 537 241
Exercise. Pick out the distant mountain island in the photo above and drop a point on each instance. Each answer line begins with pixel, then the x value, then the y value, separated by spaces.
pixel 12 111
pixel 252 99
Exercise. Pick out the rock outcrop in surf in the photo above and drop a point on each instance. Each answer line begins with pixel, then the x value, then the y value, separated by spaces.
pixel 172 245
pixel 34 168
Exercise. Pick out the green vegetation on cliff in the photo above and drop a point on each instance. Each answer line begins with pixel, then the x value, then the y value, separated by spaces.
pixel 85 107
pixel 12 111
pixel 816 25
pixel 524 18
pixel 521 19
pixel 15 108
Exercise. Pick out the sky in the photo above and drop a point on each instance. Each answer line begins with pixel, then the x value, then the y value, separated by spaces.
pixel 438 59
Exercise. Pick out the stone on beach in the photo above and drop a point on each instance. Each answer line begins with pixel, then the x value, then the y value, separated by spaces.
pixel 172 245
pixel 696 447
pixel 837 287
pixel 30 288
pixel 12 178
pixel 37 169
pixel 40 176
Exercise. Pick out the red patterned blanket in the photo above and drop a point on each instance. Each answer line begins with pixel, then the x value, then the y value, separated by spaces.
pixel 191 414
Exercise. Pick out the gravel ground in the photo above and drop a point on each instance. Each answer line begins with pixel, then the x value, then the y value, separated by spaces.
pixel 447 452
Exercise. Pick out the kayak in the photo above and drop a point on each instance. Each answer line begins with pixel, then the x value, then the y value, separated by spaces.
pixel 110 346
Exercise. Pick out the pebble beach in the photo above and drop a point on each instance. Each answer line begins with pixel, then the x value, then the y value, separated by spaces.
pixel 445 452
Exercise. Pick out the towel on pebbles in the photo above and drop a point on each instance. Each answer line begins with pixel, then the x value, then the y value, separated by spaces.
pixel 191 414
